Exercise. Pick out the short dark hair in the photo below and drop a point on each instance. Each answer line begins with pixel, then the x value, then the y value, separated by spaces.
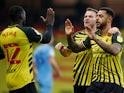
pixel 108 10
pixel 15 13
pixel 92 9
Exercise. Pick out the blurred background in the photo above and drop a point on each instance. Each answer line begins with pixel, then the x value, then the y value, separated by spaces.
pixel 72 9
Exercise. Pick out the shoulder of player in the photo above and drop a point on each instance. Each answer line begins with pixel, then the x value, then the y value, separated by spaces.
pixel 29 30
pixel 26 28
pixel 117 37
pixel 79 32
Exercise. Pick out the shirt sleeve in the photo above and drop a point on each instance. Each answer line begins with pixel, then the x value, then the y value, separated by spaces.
pixel 86 43
pixel 35 36
pixel 117 38
pixel 32 34
pixel 51 52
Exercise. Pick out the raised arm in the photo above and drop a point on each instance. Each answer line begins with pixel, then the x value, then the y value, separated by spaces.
pixel 75 47
pixel 49 20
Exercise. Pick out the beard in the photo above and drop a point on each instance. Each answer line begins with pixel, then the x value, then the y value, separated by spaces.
pixel 101 25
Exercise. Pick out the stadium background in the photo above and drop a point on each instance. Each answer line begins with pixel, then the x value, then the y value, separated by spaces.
pixel 72 9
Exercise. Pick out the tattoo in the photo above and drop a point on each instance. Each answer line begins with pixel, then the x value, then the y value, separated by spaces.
pixel 113 49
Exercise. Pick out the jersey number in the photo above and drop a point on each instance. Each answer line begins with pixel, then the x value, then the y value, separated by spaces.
pixel 12 60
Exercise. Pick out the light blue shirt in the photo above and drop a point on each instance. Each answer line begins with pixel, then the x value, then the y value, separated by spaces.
pixel 44 75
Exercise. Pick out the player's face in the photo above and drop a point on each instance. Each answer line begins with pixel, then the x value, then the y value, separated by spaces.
pixel 89 18
pixel 101 19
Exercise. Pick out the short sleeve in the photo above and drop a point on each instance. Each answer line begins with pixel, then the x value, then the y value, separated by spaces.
pixel 52 53
pixel 86 43
pixel 32 34
pixel 117 38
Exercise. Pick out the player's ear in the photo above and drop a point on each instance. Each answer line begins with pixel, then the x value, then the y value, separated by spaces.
pixel 109 19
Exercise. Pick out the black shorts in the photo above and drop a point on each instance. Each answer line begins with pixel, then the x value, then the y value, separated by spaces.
pixel 80 89
pixel 98 87
pixel 30 88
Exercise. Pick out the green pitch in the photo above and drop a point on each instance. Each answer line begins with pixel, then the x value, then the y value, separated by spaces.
pixel 61 85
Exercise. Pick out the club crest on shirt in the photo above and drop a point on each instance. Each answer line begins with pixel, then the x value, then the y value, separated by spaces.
pixel 119 38
pixel 107 40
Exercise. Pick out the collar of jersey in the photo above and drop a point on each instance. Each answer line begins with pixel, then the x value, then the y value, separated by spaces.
pixel 13 25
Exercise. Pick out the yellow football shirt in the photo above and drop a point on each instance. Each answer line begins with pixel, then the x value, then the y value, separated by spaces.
pixel 107 67
pixel 82 71
pixel 16 43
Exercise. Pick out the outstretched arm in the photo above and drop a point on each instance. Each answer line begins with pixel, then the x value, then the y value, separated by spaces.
pixel 75 47
pixel 49 20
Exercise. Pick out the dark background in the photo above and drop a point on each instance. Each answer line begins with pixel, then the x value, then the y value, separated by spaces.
pixel 73 9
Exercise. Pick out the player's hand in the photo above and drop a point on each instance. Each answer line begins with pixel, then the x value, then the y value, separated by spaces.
pixel 59 46
pixel 50 17
pixel 69 29
pixel 113 30
pixel 59 74
pixel 63 50
pixel 90 31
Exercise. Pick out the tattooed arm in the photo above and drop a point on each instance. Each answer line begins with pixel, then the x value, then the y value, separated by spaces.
pixel 114 48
